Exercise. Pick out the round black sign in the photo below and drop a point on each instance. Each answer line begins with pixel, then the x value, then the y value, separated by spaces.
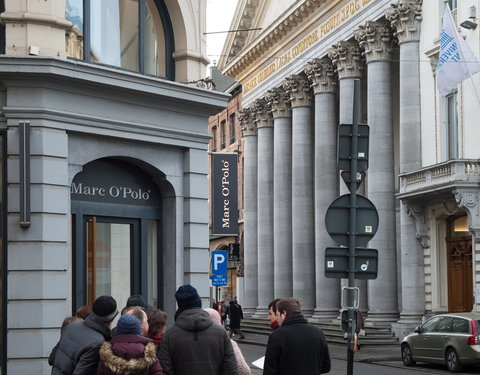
pixel 337 220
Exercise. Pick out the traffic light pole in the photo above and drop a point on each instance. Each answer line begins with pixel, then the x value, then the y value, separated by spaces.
pixel 352 226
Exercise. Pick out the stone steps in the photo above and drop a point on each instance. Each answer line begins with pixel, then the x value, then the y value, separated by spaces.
pixel 374 336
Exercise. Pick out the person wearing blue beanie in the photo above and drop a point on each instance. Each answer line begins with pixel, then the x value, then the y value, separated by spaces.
pixel 129 352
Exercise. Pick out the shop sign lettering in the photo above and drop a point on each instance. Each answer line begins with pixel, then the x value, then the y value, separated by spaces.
pixel 121 192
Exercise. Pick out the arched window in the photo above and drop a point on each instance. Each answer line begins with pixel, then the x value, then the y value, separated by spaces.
pixel 130 34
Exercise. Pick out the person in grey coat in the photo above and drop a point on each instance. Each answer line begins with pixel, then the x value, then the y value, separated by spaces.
pixel 80 342
pixel 194 345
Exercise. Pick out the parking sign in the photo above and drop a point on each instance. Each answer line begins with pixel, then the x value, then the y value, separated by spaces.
pixel 219 261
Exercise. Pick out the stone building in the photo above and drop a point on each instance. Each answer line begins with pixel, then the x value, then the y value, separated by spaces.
pixel 104 162
pixel 297 62
pixel 227 137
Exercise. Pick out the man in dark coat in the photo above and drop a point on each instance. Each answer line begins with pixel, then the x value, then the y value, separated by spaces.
pixel 235 314
pixel 296 347
pixel 194 345
pixel 80 342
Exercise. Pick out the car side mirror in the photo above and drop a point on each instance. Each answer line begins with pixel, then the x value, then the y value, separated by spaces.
pixel 417 329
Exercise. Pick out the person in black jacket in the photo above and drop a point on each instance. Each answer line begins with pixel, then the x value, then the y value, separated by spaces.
pixel 296 347
pixel 80 342
pixel 235 314
pixel 194 345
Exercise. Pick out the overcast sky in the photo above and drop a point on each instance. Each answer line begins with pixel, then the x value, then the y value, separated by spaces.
pixel 219 17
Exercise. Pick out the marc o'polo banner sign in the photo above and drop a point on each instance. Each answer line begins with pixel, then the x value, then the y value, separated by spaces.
pixel 224 193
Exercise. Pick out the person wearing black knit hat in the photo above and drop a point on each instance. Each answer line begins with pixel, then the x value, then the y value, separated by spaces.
pixel 194 345
pixel 80 342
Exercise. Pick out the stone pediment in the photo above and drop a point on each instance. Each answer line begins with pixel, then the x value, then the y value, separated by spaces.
pixel 274 19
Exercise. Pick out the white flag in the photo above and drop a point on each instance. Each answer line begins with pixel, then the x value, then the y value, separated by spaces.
pixel 456 61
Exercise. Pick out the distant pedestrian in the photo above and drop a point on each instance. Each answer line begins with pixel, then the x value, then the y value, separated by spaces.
pixel 235 315
pixel 224 314
pixel 296 347
pixel 80 342
pixel 272 314
pixel 214 305
pixel 194 345
pixel 243 368
pixel 129 352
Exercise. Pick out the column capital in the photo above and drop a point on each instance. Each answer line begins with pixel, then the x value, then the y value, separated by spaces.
pixel 376 40
pixel 405 17
pixel 469 199
pixel 298 88
pixel 279 102
pixel 321 73
pixel 246 123
pixel 347 57
pixel 261 114
pixel 417 212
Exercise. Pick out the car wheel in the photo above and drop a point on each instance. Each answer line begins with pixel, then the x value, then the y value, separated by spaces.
pixel 452 361
pixel 407 355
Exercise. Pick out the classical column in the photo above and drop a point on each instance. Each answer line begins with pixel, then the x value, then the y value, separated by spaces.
pixel 375 39
pixel 264 125
pixel 282 191
pixel 303 228
pixel 405 19
pixel 250 212
pixel 469 200
pixel 323 79
pixel 348 60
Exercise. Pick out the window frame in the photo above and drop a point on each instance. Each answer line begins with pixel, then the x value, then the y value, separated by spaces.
pixel 232 128
pixel 451 126
pixel 142 11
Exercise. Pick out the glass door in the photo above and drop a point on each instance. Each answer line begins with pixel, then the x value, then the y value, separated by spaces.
pixel 110 248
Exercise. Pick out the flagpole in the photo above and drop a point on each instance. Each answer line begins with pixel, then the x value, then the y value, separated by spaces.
pixel 467 63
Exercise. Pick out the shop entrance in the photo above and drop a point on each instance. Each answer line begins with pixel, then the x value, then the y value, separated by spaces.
pixel 116 212
pixel 459 257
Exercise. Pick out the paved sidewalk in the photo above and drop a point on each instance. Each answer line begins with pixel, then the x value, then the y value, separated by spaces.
pixel 253 347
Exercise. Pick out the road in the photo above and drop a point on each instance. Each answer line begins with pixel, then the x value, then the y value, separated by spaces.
pixel 339 366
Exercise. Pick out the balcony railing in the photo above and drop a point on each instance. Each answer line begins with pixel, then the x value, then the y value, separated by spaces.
pixel 440 177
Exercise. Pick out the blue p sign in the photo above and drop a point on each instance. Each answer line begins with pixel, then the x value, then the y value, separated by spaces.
pixel 219 261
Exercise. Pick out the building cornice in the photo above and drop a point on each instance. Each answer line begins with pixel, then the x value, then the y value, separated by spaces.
pixel 240 57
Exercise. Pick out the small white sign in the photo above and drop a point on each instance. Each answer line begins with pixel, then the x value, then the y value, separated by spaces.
pixel 330 264
pixel 368 229
pixel 361 154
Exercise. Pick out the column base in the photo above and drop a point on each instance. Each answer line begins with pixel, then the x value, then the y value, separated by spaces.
pixel 383 319
pixel 407 324
pixel 326 316
pixel 261 312
pixel 248 312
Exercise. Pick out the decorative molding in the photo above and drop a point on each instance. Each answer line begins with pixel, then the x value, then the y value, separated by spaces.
pixel 469 199
pixel 376 40
pixel 405 17
pixel 418 213
pixel 321 73
pixel 246 122
pixel 278 102
pixel 451 206
pixel 261 114
pixel 260 47
pixel 347 57
pixel 298 88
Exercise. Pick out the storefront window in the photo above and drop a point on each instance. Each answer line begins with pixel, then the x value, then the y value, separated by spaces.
pixel 129 34
pixel 108 260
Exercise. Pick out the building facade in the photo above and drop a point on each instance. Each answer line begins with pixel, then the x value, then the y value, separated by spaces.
pixel 226 134
pixel 104 162
pixel 297 65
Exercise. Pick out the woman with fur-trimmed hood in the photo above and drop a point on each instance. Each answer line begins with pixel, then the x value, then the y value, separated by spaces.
pixel 129 353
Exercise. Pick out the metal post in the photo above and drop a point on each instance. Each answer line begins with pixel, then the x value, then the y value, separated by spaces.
pixel 352 226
